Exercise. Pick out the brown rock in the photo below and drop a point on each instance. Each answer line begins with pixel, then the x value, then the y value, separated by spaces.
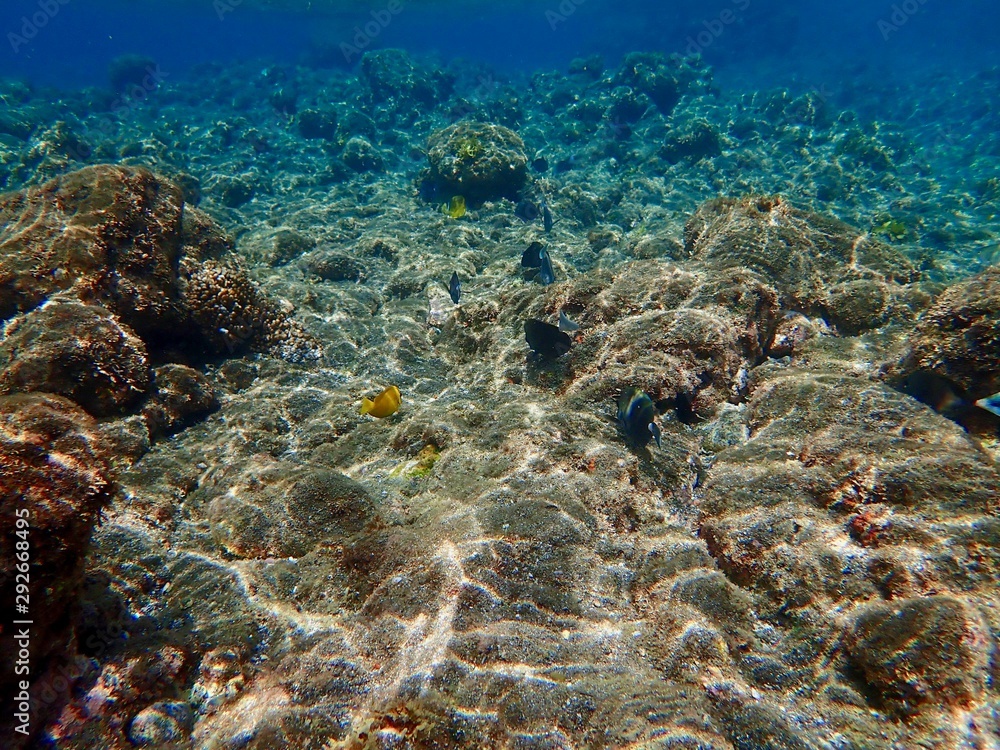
pixel 959 336
pixel 927 650
pixel 111 234
pixel 182 395
pixel 288 512
pixel 55 476
pixel 78 351
pixel 480 161
pixel 118 237
pixel 803 254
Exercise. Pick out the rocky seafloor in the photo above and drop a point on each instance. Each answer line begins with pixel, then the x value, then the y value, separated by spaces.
pixel 200 283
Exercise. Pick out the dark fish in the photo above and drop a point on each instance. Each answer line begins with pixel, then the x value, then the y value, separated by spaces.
pixel 540 164
pixel 546 340
pixel 545 272
pixel 429 190
pixel 536 256
pixel 546 216
pixel 938 392
pixel 566 325
pixel 636 417
pixel 526 211
pixel 532 257
pixel 455 287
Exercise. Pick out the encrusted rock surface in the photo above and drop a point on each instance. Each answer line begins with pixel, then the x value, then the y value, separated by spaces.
pixel 480 161
pixel 56 477
pixel 821 266
pixel 120 238
pixel 78 351
pixel 809 560
pixel 959 337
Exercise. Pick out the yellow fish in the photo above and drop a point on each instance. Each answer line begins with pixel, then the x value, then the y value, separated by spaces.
pixel 384 404
pixel 455 209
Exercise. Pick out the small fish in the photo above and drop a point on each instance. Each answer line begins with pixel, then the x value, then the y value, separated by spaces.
pixel 566 325
pixel 547 221
pixel 636 417
pixel 938 392
pixel 455 287
pixel 536 256
pixel 546 340
pixel 526 211
pixel 545 273
pixel 532 257
pixel 384 403
pixel 990 403
pixel 455 208
pixel 540 164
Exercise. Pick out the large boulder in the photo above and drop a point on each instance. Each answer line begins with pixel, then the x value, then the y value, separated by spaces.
pixel 479 161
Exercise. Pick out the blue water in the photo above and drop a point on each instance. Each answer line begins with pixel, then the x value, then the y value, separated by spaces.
pixel 780 40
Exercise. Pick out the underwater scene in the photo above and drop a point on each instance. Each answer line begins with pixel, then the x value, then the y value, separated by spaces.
pixel 535 375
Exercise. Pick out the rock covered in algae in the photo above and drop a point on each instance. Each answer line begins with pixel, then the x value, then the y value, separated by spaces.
pixel 479 161
pixel 821 266
pixel 55 478
pixel 392 77
pixel 934 649
pixel 119 237
pixel 78 351
pixel 111 234
pixel 847 494
pixel 161 724
pixel 181 396
pixel 959 336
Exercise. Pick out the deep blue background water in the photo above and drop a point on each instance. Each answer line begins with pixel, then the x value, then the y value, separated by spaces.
pixel 819 40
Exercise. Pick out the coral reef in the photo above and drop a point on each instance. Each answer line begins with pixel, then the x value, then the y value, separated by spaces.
pixel 232 314
pixel 819 265
pixel 120 238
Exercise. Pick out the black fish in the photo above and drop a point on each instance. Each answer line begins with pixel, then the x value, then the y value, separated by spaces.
pixel 540 164
pixel 546 216
pixel 636 415
pixel 938 392
pixel 526 211
pixel 545 273
pixel 532 257
pixel 455 287
pixel 536 256
pixel 546 340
